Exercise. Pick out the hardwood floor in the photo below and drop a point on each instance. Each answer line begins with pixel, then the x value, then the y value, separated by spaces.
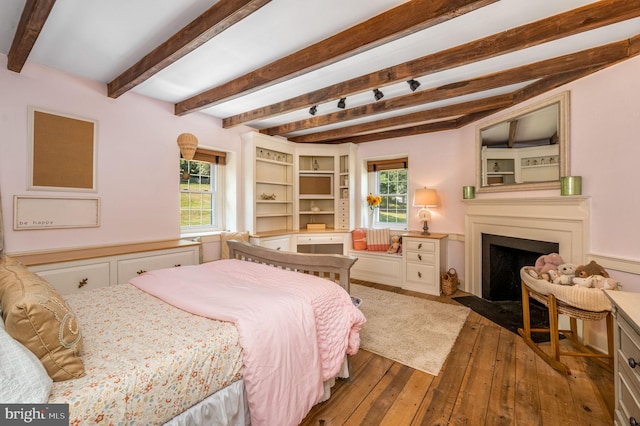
pixel 491 377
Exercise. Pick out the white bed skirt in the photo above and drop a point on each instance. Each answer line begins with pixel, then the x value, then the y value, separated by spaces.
pixel 228 406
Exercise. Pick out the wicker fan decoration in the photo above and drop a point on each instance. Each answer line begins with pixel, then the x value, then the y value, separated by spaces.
pixel 188 144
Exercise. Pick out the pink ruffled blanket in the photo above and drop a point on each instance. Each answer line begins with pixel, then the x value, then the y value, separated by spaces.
pixel 294 328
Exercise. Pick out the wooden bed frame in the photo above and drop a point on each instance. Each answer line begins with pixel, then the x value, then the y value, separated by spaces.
pixel 331 266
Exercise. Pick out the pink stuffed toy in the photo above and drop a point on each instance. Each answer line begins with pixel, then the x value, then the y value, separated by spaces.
pixel 548 262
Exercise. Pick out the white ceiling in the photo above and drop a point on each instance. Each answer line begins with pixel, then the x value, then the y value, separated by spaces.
pixel 99 40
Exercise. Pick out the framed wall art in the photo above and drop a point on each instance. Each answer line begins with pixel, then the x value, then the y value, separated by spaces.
pixel 34 212
pixel 62 152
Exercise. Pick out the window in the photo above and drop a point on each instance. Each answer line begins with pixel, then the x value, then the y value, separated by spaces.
pixel 388 178
pixel 201 192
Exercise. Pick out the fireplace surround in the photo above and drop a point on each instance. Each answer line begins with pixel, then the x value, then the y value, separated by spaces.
pixel 563 220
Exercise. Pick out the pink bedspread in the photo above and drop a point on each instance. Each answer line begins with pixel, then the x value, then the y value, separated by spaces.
pixel 294 328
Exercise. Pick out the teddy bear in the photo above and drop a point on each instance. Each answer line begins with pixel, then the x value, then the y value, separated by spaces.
pixel 548 262
pixel 395 245
pixel 592 268
pixel 567 269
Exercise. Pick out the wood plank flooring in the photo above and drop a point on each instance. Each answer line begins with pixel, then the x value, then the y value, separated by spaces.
pixel 491 377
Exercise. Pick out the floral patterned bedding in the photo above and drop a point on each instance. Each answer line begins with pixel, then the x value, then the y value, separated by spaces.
pixel 145 360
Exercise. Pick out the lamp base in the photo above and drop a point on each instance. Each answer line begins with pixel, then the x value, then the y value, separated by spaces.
pixel 425 228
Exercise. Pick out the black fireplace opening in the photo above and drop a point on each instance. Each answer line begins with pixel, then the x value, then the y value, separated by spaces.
pixel 502 259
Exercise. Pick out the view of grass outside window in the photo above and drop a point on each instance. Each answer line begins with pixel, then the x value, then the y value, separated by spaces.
pixel 197 194
pixel 392 187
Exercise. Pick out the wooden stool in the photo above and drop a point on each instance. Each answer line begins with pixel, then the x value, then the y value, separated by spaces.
pixel 558 307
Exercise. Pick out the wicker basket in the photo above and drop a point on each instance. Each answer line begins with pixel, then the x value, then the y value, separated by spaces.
pixel 450 282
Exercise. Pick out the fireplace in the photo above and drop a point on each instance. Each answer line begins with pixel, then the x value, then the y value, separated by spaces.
pixel 502 259
pixel 560 220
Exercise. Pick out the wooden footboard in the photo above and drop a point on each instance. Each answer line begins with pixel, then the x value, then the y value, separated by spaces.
pixel 331 266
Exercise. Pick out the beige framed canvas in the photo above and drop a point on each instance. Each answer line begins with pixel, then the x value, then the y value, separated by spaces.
pixel 34 212
pixel 62 152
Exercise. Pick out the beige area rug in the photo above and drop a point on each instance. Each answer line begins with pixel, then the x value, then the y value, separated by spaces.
pixel 415 332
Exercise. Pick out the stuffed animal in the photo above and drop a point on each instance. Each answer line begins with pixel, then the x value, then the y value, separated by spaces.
pixel 556 277
pixel 596 281
pixel 548 262
pixel 395 245
pixel 592 268
pixel 567 269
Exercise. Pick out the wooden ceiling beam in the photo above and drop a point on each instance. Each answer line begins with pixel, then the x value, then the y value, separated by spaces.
pixel 34 16
pixel 222 15
pixel 610 53
pixel 494 102
pixel 589 17
pixel 412 16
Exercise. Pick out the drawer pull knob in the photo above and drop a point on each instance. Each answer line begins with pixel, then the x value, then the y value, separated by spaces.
pixel 633 421
pixel 278 248
pixel 141 271
pixel 420 245
pixel 83 282
pixel 419 274
pixel 632 362
pixel 419 256
pixel 177 264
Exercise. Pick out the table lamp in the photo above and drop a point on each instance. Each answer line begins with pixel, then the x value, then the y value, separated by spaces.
pixel 425 198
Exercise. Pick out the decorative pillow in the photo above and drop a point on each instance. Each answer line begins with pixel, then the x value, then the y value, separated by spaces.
pixel 378 239
pixel 38 317
pixel 359 238
pixel 23 377
pixel 226 236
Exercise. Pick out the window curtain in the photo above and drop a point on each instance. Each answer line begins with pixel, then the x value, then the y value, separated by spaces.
pixel 210 156
pixel 392 164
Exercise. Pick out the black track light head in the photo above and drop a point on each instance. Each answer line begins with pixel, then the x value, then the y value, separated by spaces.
pixel 313 110
pixel 377 94
pixel 342 103
pixel 413 84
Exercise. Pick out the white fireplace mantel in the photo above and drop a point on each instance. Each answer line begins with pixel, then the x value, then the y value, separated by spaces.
pixel 563 220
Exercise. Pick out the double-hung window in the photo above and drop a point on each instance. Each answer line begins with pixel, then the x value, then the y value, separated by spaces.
pixel 389 179
pixel 201 192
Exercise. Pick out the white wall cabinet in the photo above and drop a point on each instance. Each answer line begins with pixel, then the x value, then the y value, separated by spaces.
pixel 72 271
pixel 289 186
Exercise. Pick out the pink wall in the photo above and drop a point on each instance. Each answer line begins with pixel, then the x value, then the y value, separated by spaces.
pixel 605 151
pixel 137 157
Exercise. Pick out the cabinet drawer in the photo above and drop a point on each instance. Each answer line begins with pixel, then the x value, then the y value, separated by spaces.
pixel 424 246
pixel 418 273
pixel 629 348
pixel 628 404
pixel 420 258
pixel 320 239
pixel 78 278
pixel 130 268
pixel 276 244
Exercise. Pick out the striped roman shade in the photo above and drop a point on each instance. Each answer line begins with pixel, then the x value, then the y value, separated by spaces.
pixel 378 239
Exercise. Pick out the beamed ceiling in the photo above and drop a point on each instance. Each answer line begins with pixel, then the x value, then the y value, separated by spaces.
pixel 266 63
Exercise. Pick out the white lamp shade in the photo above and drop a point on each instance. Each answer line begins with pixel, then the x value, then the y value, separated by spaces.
pixel 425 197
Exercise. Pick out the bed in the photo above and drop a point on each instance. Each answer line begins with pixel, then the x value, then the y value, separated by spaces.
pixel 147 360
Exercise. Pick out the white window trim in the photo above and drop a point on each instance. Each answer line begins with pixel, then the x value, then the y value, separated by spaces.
pixel 188 232
pixel 373 184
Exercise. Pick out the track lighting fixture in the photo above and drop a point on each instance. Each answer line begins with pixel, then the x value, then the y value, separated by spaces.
pixel 377 94
pixel 313 110
pixel 413 84
pixel 342 103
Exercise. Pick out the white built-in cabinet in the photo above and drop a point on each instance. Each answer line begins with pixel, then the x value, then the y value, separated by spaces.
pixel 290 186
pixel 79 270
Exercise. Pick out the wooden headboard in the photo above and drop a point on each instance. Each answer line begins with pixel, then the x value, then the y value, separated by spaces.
pixel 331 266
